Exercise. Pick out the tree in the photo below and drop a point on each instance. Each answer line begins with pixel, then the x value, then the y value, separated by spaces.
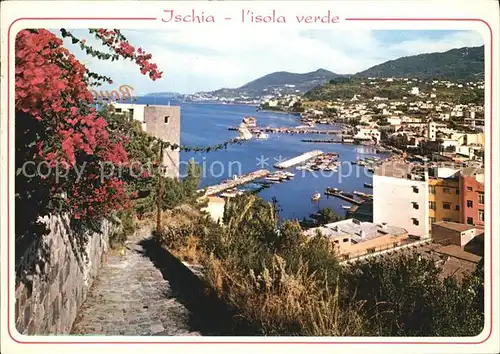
pixel 405 296
pixel 326 216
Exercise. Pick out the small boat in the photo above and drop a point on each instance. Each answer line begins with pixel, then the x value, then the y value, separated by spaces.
pixel 368 185
pixel 262 136
pixel 333 190
pixel 361 194
pixel 228 195
pixel 316 196
pixel 273 178
pixel 289 174
pixel 347 207
pixel 301 168
pixel 354 162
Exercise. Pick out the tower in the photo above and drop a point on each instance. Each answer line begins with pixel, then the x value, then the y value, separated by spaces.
pixel 164 122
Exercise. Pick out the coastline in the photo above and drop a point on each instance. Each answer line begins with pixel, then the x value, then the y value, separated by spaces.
pixel 278 111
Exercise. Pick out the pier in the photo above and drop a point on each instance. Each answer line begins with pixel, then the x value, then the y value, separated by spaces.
pixel 299 159
pixel 341 196
pixel 238 181
pixel 324 141
pixel 290 130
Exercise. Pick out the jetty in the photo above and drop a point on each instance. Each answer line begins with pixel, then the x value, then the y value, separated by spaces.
pixel 290 130
pixel 325 141
pixel 237 181
pixel 299 159
pixel 342 196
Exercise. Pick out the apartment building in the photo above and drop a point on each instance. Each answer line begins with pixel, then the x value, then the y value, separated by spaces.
pixel 472 197
pixel 353 238
pixel 401 197
pixel 444 195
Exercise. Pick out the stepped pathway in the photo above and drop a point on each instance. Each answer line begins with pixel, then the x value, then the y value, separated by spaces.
pixel 130 297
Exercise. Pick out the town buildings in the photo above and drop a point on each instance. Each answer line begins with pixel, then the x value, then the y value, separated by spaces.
pixel 446 232
pixel 401 197
pixel 366 133
pixel 444 195
pixel 472 197
pixel 353 238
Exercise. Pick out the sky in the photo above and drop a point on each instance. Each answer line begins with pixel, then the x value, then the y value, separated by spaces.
pixel 210 59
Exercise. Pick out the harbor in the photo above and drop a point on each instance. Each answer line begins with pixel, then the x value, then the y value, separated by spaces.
pixel 322 141
pixel 298 159
pixel 335 192
pixel 295 194
pixel 288 130
pixel 235 182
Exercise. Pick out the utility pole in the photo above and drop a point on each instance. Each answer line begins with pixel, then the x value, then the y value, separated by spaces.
pixel 160 191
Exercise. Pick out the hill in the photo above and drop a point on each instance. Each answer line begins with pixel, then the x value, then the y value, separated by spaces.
pixel 301 82
pixel 164 94
pixel 279 82
pixel 456 64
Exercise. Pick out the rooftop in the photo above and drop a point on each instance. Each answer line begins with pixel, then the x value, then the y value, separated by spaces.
pixel 400 169
pixel 472 171
pixel 359 231
pixel 454 226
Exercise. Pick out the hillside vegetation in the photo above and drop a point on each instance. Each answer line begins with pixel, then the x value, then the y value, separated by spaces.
pixel 346 88
pixel 457 64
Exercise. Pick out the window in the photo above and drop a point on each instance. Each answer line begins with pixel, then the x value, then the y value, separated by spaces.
pixel 469 189
pixel 415 205
pixel 481 198
pixel 415 189
pixel 446 190
pixel 336 241
pixel 370 250
pixel 432 205
pixel 457 207
pixel 457 191
pixel 481 215
pixel 131 111
pixel 432 189
pixel 446 219
pixel 166 119
pixel 118 110
pixel 415 221
pixel 470 220
pixel 469 204
pixel 432 220
pixel 446 205
pixel 345 240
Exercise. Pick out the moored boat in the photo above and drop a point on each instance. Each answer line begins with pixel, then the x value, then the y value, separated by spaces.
pixel 368 185
pixel 316 196
pixel 333 190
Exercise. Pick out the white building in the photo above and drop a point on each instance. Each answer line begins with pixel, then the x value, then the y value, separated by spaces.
pixel 367 134
pixel 431 130
pixel 414 91
pixel 137 111
pixel 394 120
pixel 401 197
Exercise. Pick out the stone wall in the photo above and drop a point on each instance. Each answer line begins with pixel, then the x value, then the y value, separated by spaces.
pixel 54 276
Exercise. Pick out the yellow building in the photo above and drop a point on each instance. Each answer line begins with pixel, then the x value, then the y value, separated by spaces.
pixel 444 200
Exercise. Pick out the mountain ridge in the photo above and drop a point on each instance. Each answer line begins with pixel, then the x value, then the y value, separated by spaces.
pixel 455 64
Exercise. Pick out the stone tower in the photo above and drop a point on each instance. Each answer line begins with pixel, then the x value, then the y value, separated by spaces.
pixel 164 122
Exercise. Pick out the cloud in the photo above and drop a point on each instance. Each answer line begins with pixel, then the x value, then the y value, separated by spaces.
pixel 206 59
